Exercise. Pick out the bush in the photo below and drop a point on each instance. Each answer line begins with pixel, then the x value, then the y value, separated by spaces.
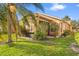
pixel 40 34
pixel 67 32
pixel 54 27
pixel 25 32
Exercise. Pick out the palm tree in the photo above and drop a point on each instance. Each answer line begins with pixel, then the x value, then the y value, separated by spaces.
pixel 3 20
pixel 66 18
pixel 11 10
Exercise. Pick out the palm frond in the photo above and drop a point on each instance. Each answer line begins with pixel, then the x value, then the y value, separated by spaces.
pixel 24 19
pixel 25 12
pixel 39 6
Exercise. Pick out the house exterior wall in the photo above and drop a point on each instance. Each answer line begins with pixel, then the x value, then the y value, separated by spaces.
pixel 62 25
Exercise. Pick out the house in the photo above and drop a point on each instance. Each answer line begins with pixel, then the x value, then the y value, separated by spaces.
pixel 76 28
pixel 51 20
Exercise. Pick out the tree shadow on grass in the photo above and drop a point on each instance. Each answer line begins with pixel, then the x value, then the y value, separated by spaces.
pixel 46 43
pixel 45 48
pixel 53 41
pixel 31 49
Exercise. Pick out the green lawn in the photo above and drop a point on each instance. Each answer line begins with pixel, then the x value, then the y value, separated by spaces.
pixel 77 37
pixel 4 37
pixel 51 47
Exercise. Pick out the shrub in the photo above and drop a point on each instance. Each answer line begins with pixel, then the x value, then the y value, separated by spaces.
pixel 40 34
pixel 25 32
pixel 67 32
pixel 54 27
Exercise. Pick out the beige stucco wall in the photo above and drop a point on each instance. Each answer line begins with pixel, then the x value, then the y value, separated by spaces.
pixel 62 25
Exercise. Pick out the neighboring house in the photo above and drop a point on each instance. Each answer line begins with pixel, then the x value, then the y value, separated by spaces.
pixel 63 25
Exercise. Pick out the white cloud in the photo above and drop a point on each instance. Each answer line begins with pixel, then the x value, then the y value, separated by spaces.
pixel 57 7
pixel 77 5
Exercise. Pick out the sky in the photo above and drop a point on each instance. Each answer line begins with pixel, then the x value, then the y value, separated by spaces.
pixel 59 10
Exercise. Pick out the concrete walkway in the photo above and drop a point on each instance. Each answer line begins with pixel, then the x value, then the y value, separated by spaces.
pixel 74 47
pixel 27 38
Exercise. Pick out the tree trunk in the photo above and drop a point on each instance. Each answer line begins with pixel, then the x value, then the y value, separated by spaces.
pixel 14 23
pixel 9 24
pixel 13 18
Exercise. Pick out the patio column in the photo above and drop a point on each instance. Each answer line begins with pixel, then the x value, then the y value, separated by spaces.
pixel 60 29
pixel 49 28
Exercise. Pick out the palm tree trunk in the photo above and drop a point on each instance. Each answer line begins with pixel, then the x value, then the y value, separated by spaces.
pixel 16 28
pixel 14 18
pixel 9 24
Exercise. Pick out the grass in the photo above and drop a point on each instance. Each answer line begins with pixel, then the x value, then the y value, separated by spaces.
pixel 4 37
pixel 77 37
pixel 51 47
